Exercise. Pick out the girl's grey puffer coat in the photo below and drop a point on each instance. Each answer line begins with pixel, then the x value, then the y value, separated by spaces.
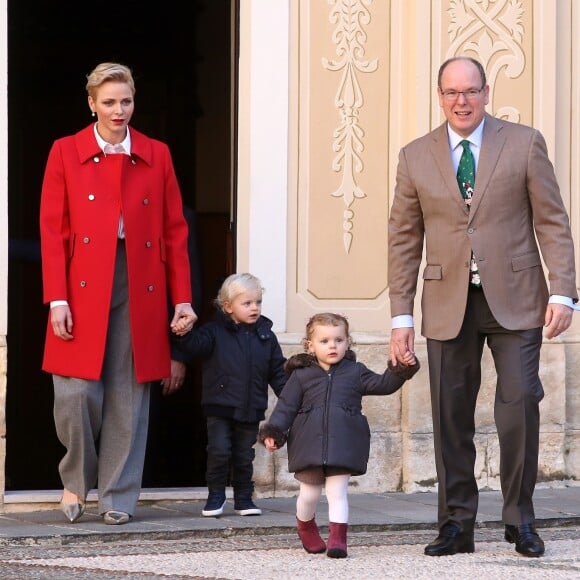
pixel 320 412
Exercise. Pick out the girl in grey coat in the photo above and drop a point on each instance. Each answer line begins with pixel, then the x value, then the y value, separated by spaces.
pixel 319 414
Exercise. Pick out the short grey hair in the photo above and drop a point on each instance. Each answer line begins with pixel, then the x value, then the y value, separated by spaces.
pixel 474 62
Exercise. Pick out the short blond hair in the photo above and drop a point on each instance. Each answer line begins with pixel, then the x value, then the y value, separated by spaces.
pixel 106 72
pixel 234 285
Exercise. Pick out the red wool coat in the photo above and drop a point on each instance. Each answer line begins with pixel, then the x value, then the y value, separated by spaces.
pixel 83 195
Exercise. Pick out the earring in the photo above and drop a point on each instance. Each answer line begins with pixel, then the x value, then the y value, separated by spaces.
pixel 93 114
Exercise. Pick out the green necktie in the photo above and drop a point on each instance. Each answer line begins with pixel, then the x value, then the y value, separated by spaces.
pixel 466 181
pixel 466 173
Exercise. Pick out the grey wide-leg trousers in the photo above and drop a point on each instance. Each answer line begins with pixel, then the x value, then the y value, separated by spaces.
pixel 103 424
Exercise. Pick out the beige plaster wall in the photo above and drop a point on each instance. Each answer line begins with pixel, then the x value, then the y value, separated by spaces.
pixel 362 85
pixel 338 194
pixel 402 457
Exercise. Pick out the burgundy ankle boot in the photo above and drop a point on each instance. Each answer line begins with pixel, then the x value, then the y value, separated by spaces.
pixel 337 540
pixel 310 536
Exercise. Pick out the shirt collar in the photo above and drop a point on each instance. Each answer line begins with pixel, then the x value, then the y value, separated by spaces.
pixel 102 143
pixel 475 138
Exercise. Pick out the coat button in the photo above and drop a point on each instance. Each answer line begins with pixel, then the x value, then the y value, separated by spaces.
pixel 91 197
pixel 86 240
pixel 133 162
pixel 83 283
pixel 470 230
pixel 150 288
pixel 148 244
pixel 97 159
pixel 146 201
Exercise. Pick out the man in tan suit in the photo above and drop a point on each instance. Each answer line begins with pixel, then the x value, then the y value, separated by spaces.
pixel 483 281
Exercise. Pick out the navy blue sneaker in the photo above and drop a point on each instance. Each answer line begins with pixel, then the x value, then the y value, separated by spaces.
pixel 246 507
pixel 214 506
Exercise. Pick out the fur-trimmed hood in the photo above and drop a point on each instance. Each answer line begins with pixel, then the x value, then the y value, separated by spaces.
pixel 304 359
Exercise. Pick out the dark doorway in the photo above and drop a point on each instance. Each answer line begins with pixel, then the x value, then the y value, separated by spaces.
pixel 181 57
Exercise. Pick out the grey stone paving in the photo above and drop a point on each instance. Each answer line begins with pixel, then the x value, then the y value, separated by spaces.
pixel 387 534
pixel 391 554
pixel 172 520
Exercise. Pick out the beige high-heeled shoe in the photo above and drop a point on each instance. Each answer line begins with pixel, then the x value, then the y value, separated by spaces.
pixel 72 511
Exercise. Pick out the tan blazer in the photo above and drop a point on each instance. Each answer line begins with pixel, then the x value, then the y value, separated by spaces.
pixel 516 198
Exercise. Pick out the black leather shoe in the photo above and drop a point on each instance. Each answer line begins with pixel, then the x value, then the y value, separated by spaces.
pixel 526 539
pixel 451 540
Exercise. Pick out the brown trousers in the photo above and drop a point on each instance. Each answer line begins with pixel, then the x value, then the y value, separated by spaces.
pixel 455 378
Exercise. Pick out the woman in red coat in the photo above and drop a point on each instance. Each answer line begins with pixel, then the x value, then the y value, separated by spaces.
pixel 114 241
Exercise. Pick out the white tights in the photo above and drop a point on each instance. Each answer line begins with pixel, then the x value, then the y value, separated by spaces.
pixel 336 487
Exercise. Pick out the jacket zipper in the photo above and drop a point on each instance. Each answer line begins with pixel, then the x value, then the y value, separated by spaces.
pixel 325 421
pixel 248 349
